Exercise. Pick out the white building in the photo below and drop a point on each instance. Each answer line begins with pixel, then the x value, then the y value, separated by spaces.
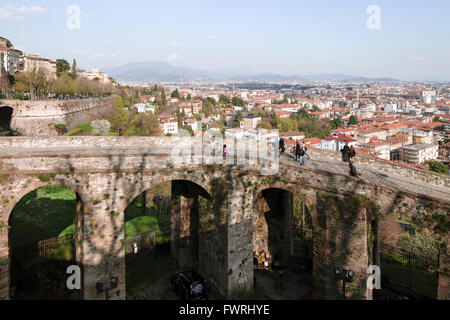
pixel 144 108
pixel 336 143
pixel 169 126
pixel 428 96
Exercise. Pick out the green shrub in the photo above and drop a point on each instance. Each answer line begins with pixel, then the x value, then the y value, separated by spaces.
pixel 418 244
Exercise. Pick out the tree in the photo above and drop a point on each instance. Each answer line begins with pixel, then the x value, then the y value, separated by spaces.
pixel 145 124
pixel 336 123
pixel 74 70
pixel 119 118
pixel 224 99
pixel 38 81
pixel 9 44
pixel 437 166
pixel 207 108
pixel 64 85
pixel 180 120
pixel 303 113
pixel 62 66
pixel 419 244
pixel 175 94
pixel 437 119
pixel 236 101
pixel 163 97
pixel 353 120
pixel 265 125
pixel 22 83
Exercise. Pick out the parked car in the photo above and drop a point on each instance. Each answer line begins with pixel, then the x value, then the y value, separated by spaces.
pixel 189 285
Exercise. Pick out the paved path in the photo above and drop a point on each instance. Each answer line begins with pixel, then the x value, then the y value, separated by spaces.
pixel 376 177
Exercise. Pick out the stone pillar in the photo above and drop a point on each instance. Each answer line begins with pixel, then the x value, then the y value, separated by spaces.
pixel 240 242
pixel 287 227
pixel 4 264
pixel 184 232
pixel 103 248
pixel 340 240
pixel 79 229
pixel 444 275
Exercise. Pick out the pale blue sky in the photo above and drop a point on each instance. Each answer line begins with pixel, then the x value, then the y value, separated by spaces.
pixel 287 37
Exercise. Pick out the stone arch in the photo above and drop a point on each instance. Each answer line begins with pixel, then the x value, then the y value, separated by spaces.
pixel 79 211
pixel 149 182
pixel 307 195
pixel 186 241
pixel 36 183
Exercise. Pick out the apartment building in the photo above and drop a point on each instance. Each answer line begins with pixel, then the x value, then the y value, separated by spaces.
pixel 169 125
pixel 10 59
pixel 250 121
pixel 419 153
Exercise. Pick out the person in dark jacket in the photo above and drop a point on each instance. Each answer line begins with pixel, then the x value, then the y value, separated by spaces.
pixel 345 153
pixel 351 160
pixel 282 146
pixel 352 154
pixel 297 151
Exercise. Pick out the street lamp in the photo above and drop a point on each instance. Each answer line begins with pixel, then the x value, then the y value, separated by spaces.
pixel 114 281
pixel 344 275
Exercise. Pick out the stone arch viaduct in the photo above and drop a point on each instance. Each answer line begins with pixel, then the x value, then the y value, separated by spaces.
pixel 107 173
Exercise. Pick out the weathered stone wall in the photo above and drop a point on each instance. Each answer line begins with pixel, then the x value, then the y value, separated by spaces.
pixel 398 169
pixel 38 118
pixel 389 231
pixel 427 177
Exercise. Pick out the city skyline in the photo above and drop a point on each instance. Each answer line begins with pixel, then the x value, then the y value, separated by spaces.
pixel 288 38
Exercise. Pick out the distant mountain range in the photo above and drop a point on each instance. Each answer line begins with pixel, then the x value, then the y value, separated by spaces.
pixel 160 71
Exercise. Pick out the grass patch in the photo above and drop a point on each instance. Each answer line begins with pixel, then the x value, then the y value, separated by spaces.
pixel 50 210
pixel 395 269
pixel 136 222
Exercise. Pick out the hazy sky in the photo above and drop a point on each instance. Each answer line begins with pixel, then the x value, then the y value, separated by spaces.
pixel 287 37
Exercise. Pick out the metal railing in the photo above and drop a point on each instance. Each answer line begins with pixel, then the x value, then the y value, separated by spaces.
pixel 413 272
pixel 148 243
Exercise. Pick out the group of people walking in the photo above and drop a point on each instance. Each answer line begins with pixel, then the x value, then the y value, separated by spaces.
pixel 348 155
pixel 300 151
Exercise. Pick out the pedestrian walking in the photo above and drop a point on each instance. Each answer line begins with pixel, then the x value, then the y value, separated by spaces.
pixel 351 154
pixel 304 156
pixel 345 153
pixel 297 151
pixel 282 146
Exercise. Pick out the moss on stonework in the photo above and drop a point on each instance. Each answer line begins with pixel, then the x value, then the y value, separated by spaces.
pixel 219 195
pixel 46 177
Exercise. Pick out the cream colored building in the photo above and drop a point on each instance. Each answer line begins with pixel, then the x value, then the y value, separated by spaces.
pixel 97 74
pixel 419 153
pixel 34 62
pixel 251 121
